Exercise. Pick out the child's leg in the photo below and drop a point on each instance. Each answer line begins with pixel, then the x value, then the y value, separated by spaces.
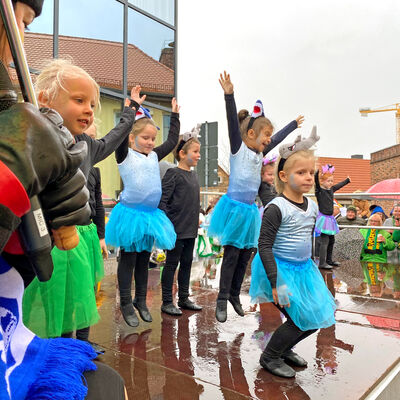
pixel 167 278
pixel 280 346
pixel 141 278
pixel 228 267
pixel 184 276
pixel 329 258
pixel 83 334
pixel 323 249
pixel 126 265
pixel 237 279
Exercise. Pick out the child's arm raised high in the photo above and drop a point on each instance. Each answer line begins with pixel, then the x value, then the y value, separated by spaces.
pixel 173 134
pixel 278 137
pixel 235 137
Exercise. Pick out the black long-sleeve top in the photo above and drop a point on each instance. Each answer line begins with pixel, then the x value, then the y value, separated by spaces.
pixel 271 222
pixel 163 150
pixel 235 137
pixel 180 200
pixel 99 149
pixel 266 193
pixel 325 196
pixel 96 201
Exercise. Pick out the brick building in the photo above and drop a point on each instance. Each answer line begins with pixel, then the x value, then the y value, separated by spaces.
pixel 385 164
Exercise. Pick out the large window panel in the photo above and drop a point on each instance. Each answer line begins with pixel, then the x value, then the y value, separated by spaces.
pixel 162 9
pixel 151 54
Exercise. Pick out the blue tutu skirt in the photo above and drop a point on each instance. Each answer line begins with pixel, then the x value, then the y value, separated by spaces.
pixel 235 223
pixel 139 229
pixel 326 224
pixel 312 305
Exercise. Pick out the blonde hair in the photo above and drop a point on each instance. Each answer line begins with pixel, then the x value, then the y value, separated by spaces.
pixel 53 77
pixel 185 148
pixel 259 123
pixel 289 163
pixel 140 124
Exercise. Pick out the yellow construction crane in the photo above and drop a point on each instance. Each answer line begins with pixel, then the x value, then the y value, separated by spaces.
pixel 391 107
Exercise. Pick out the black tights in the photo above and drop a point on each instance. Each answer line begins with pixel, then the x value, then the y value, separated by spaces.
pixel 233 270
pixel 81 334
pixel 129 262
pixel 182 253
pixel 285 337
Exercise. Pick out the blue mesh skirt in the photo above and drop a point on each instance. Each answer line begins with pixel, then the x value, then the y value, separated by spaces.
pixel 138 229
pixel 312 305
pixel 235 223
pixel 326 224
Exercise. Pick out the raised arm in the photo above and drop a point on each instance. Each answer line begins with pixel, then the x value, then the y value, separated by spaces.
pixel 316 179
pixel 235 138
pixel 173 134
pixel 278 137
pixel 341 184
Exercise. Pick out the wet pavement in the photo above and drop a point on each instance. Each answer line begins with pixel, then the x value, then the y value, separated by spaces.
pixel 196 357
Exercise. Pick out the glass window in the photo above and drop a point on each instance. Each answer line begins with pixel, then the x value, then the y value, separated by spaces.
pixel 162 9
pixel 151 54
pixel 166 125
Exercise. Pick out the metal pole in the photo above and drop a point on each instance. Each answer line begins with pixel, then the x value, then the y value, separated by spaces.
pixel 125 53
pixel 176 51
pixel 56 27
pixel 206 160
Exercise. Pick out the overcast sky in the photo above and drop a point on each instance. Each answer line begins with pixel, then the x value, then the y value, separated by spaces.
pixel 323 59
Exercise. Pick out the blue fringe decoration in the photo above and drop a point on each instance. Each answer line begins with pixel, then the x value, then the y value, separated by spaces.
pixel 61 377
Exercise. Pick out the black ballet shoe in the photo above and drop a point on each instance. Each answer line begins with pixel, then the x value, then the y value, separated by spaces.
pixel 294 359
pixel 143 311
pixel 325 266
pixel 187 304
pixel 130 317
pixel 220 311
pixel 97 348
pixel 235 301
pixel 171 309
pixel 277 367
pixel 334 263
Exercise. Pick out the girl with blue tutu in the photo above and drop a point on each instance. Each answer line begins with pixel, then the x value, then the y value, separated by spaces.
pixel 235 220
pixel 326 226
pixel 136 223
pixel 282 271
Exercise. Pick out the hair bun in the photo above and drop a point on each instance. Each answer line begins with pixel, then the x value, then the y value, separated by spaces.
pixel 242 115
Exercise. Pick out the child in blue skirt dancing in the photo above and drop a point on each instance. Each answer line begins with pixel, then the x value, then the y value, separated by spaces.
pixel 282 271
pixel 136 223
pixel 235 220
pixel 326 225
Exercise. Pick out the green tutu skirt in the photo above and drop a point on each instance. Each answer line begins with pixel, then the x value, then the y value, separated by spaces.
pixel 67 301
pixel 89 235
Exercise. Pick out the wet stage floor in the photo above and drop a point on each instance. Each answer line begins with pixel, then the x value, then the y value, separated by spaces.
pixel 196 357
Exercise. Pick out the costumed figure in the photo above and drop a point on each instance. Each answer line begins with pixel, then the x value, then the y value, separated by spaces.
pixel 180 201
pixel 267 190
pixel 136 223
pixel 283 271
pixel 326 226
pixel 235 220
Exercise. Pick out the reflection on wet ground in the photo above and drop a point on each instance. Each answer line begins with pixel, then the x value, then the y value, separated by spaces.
pixel 195 357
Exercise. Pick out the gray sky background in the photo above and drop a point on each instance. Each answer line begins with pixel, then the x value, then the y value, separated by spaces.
pixel 323 59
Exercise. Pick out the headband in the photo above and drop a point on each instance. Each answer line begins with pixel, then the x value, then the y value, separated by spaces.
pixel 258 111
pixel 269 159
pixel 286 150
pixel 193 134
pixel 36 5
pixel 144 112
pixel 328 169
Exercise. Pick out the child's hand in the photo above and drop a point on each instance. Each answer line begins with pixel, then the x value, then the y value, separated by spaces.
pixel 348 178
pixel 175 107
pixel 300 120
pixel 135 95
pixel 104 249
pixel 225 82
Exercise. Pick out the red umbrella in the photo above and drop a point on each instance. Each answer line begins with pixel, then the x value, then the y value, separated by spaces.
pixel 386 186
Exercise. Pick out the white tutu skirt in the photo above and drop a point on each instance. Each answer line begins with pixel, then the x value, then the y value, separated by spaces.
pixel 234 223
pixel 312 305
pixel 138 229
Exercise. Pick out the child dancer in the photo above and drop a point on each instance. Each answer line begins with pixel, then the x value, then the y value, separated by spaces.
pixel 181 202
pixel 136 223
pixel 267 191
pixel 235 220
pixel 282 271
pixel 326 225
pixel 67 301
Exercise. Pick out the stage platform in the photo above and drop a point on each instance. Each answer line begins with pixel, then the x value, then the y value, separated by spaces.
pixel 196 357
